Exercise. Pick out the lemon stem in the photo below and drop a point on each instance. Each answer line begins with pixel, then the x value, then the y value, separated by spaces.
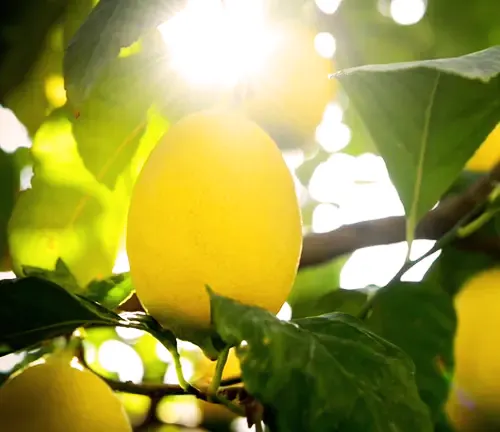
pixel 178 368
pixel 219 369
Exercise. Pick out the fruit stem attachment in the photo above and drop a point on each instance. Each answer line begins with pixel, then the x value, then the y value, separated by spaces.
pixel 219 369
pixel 178 367
pixel 258 427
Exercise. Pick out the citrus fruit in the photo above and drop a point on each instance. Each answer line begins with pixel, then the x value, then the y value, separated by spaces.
pixel 488 154
pixel 477 358
pixel 215 205
pixel 290 95
pixel 53 395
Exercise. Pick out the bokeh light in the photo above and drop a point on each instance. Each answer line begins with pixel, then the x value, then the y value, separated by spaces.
pixel 10 361
pixel 121 263
pixel 187 370
pixel 25 175
pixel 129 334
pixel 241 425
pixel 180 410
pixel 163 353
pixel 285 313
pixel 7 275
pixel 328 7
pixel 407 12
pixel 325 44
pixel 326 217
pixel 377 265
pixel 118 357
pixel 13 134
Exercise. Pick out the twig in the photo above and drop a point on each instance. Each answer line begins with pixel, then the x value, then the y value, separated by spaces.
pixel 149 389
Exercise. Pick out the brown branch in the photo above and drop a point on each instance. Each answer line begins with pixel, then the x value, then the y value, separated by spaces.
pixel 319 248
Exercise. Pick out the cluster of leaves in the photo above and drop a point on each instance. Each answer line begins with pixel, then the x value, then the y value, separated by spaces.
pixel 324 370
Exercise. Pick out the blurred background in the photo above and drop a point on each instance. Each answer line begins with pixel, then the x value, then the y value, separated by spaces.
pixel 339 177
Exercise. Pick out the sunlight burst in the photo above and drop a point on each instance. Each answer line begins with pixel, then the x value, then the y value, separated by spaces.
pixel 215 43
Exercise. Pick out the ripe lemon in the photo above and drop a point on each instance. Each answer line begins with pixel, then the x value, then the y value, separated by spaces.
pixel 289 96
pixel 54 396
pixel 488 154
pixel 477 355
pixel 215 205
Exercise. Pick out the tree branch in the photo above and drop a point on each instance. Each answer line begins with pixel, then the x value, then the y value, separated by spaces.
pixel 319 248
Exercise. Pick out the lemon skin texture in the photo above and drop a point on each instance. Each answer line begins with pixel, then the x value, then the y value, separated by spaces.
pixel 476 379
pixel 215 205
pixel 487 155
pixel 53 396
pixel 289 96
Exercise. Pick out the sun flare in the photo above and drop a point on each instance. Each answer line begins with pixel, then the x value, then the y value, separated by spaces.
pixel 219 43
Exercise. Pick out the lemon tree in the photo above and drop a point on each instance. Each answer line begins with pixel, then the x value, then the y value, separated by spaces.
pixel 54 395
pixel 142 182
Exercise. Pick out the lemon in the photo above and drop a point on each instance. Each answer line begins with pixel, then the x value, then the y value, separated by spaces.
pixel 214 205
pixel 477 355
pixel 290 95
pixel 488 154
pixel 53 396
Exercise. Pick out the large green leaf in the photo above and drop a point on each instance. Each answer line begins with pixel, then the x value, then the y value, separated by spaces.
pixel 426 119
pixel 112 25
pixel 33 310
pixel 66 214
pixel 419 318
pixel 113 119
pixel 326 373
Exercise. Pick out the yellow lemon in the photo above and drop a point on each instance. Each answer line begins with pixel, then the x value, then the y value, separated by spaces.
pixel 54 396
pixel 476 383
pixel 214 205
pixel 488 154
pixel 290 94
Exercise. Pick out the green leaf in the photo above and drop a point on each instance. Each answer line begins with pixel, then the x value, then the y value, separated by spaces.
pixel 426 118
pixel 67 213
pixel 112 25
pixel 312 282
pixel 326 373
pixel 419 318
pixel 110 292
pixel 61 276
pixel 341 300
pixel 113 120
pixel 361 141
pixel 33 310
pixel 147 323
pixel 455 266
